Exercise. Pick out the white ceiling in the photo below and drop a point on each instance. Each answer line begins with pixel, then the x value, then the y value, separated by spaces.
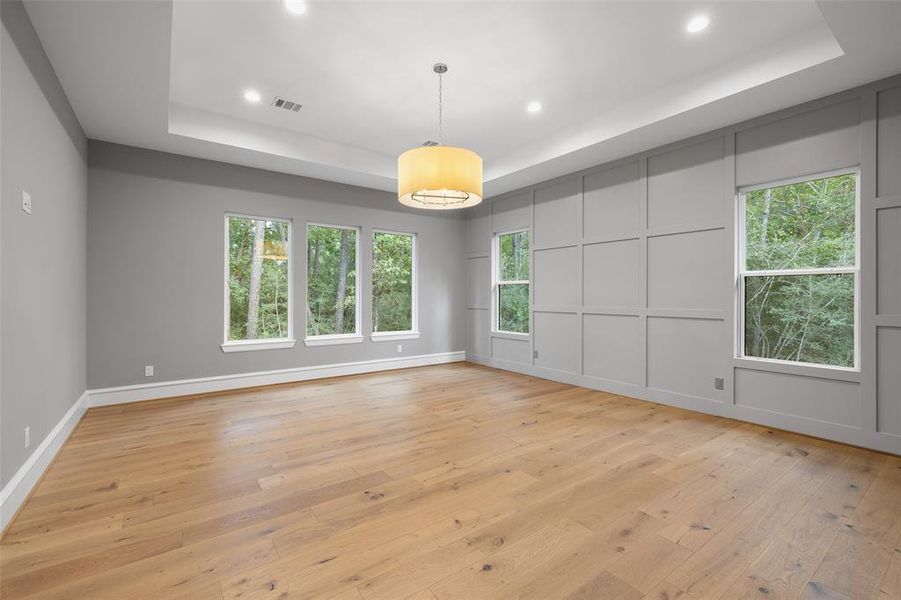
pixel 613 77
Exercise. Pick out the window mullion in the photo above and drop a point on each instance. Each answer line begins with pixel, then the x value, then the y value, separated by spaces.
pixel 800 272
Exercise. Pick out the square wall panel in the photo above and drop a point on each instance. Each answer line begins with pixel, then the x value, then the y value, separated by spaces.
pixel 888 261
pixel 512 213
pixel 686 186
pixel 518 351
pixel 478 231
pixel 888 143
pixel 478 274
pixel 557 341
pixel 611 274
pixel 557 214
pixel 689 270
pixel 685 355
pixel 611 347
pixel 810 397
pixel 478 327
pixel 812 142
pixel 610 201
pixel 555 277
pixel 888 379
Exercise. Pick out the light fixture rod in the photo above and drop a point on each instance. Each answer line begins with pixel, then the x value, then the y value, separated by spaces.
pixel 440 69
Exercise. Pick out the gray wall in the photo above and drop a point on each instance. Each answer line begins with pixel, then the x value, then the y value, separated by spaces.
pixel 634 272
pixel 42 298
pixel 156 261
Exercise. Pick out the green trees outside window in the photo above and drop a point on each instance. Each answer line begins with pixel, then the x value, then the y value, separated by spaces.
pixel 513 282
pixel 392 282
pixel 799 272
pixel 331 280
pixel 258 286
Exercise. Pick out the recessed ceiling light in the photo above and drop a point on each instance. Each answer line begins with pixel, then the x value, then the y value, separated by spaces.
pixel 698 23
pixel 298 7
pixel 252 96
pixel 534 106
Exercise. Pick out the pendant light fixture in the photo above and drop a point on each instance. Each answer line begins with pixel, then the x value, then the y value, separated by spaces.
pixel 439 177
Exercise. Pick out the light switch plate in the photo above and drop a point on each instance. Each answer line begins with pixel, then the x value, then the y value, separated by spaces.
pixel 26 202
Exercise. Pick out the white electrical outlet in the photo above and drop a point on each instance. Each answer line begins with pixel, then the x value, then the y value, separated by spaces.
pixel 400 347
pixel 26 202
pixel 148 371
pixel 27 436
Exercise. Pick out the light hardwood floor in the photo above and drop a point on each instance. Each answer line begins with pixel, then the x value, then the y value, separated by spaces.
pixel 455 481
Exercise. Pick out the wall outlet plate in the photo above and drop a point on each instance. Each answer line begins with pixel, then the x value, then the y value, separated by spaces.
pixel 148 371
pixel 400 347
pixel 26 202
pixel 27 436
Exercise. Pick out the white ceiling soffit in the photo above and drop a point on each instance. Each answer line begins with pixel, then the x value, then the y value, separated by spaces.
pixel 614 78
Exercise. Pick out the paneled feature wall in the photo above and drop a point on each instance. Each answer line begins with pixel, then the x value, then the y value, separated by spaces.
pixel 634 272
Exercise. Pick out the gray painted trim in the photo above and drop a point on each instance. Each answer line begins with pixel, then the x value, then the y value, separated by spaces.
pixel 867 260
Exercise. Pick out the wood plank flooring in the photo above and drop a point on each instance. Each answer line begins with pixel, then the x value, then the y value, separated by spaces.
pixel 453 481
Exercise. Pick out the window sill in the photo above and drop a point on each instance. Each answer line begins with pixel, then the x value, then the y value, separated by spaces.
pixel 802 369
pixel 332 340
pixel 387 336
pixel 509 335
pixel 252 345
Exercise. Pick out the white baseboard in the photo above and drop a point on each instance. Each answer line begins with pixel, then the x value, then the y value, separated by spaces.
pixel 17 489
pixel 883 442
pixel 205 385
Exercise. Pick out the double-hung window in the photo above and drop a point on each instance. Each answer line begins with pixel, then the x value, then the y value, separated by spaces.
pixel 333 285
pixel 394 286
pixel 511 284
pixel 799 269
pixel 258 290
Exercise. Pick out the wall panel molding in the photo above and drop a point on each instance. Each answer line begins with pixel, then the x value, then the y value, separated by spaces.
pixel 687 265
pixel 205 385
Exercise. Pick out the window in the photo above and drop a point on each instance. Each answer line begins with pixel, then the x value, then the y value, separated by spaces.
pixel 511 252
pixel 393 284
pixel 333 314
pixel 798 271
pixel 257 283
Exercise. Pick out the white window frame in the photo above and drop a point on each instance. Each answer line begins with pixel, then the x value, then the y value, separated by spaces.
pixel 335 338
pixel 267 343
pixel 742 273
pixel 496 284
pixel 411 334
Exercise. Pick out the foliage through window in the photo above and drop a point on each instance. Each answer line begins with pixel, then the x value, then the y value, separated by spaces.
pixel 512 256
pixel 331 280
pixel 258 282
pixel 392 282
pixel 799 271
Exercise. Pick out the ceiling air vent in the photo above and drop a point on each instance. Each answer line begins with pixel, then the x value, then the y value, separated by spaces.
pixel 429 143
pixel 280 102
